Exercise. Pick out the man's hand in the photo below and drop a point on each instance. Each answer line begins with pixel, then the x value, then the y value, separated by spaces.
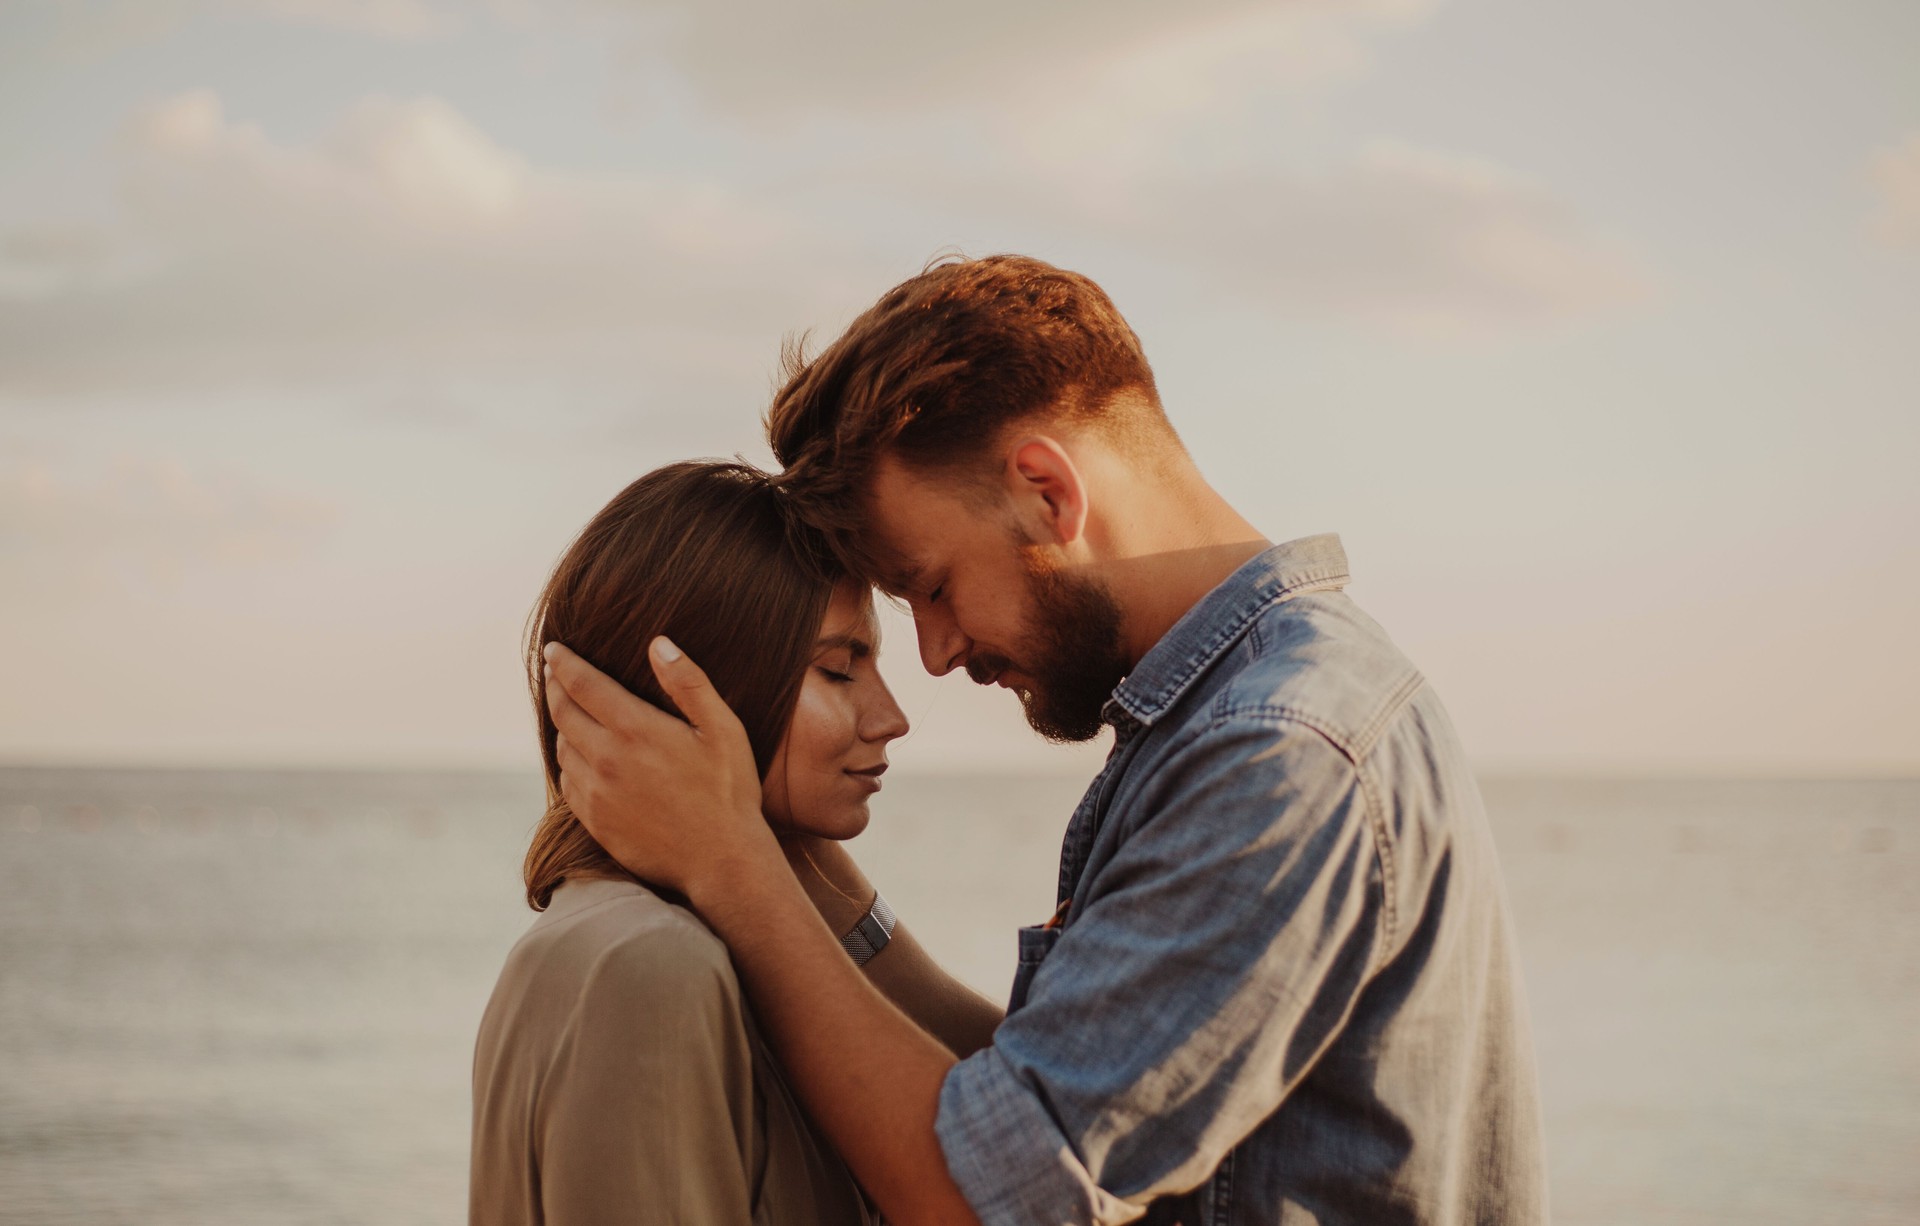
pixel 675 803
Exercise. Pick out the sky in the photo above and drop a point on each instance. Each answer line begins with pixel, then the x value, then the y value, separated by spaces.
pixel 1589 326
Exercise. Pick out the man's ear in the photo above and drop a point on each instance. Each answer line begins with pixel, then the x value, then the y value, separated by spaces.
pixel 1048 494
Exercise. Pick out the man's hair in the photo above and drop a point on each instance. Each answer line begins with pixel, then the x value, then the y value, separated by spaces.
pixel 937 371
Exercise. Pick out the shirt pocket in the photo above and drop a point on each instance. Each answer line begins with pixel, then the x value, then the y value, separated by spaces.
pixel 1036 942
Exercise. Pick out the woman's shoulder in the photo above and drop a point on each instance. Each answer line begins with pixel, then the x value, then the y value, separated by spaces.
pixel 618 938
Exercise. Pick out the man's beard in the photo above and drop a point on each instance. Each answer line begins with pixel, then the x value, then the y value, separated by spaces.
pixel 1075 656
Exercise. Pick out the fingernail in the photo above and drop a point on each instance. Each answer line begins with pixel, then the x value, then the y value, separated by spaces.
pixel 549 649
pixel 546 671
pixel 664 650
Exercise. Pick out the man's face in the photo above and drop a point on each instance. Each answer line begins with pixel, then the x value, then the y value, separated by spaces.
pixel 984 599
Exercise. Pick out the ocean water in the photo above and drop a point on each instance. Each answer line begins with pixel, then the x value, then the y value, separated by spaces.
pixel 242 998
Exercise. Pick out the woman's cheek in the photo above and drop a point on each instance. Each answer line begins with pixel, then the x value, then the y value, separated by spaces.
pixel 814 731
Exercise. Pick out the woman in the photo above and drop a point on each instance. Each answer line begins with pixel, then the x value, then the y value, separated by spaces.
pixel 618 1075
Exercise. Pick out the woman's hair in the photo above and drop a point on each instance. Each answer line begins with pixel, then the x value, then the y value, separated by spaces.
pixel 706 553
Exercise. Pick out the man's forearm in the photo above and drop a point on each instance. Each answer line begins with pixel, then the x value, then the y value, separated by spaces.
pixel 864 1070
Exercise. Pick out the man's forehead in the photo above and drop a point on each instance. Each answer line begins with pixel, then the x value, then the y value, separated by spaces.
pixel 909 519
pixel 895 573
pixel 891 549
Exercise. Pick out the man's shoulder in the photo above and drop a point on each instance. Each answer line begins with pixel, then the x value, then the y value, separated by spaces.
pixel 1315 703
pixel 1317 661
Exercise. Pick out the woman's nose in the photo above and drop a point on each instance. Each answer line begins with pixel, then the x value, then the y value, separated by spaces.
pixel 885 720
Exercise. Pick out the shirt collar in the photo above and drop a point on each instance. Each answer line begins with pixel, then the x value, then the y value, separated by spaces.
pixel 1215 624
pixel 580 892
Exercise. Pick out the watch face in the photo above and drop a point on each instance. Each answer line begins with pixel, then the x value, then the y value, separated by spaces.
pixel 871 934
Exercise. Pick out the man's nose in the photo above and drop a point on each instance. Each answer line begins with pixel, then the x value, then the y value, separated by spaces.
pixel 942 647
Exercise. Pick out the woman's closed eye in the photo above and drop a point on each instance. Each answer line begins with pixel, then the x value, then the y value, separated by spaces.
pixel 837 666
pixel 840 658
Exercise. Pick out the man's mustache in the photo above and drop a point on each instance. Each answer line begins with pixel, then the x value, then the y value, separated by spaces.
pixel 983 669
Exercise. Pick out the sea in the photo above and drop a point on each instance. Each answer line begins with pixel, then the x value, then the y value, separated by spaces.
pixel 238 998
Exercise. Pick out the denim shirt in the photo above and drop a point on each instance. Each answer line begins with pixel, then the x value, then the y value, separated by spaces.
pixel 1284 987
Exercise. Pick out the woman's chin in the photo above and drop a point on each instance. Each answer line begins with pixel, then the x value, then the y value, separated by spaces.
pixel 840 825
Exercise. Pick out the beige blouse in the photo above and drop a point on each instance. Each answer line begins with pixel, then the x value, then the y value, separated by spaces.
pixel 619 1078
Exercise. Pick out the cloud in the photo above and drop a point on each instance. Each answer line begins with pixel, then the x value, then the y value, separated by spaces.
pixel 403 20
pixel 1407 241
pixel 406 246
pixel 415 163
pixel 785 59
pixel 40 258
pixel 867 56
pixel 1155 128
pixel 144 520
pixel 406 241
pixel 1212 80
pixel 1426 243
pixel 92 29
pixel 1895 173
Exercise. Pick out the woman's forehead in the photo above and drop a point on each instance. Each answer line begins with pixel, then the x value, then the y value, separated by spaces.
pixel 850 616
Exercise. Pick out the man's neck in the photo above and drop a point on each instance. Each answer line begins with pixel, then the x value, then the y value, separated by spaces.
pixel 1174 545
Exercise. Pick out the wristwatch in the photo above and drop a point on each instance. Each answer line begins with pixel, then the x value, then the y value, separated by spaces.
pixel 871 934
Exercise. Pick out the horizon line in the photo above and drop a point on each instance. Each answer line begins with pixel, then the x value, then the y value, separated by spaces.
pixel 1492 770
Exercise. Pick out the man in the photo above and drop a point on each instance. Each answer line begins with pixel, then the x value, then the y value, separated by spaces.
pixel 1281 985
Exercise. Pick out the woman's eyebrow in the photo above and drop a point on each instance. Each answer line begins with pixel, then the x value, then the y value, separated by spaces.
pixel 860 647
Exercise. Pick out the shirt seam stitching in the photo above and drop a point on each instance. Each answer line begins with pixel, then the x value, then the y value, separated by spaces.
pixel 1223 1205
pixel 1376 815
pixel 1383 854
pixel 1234 629
pixel 1266 711
pixel 1369 796
pixel 1368 736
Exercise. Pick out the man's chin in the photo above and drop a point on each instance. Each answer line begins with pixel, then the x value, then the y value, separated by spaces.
pixel 1073 628
pixel 1055 726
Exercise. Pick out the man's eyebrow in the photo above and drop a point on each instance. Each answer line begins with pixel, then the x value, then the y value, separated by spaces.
pixel 904 581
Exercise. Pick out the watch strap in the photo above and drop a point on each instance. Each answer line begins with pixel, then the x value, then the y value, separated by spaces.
pixel 871 934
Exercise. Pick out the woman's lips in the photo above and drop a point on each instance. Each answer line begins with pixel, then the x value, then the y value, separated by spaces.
pixel 869 777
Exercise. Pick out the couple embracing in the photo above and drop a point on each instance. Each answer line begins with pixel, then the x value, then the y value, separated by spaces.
pixel 1281 984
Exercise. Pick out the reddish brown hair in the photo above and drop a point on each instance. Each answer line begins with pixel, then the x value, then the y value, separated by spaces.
pixel 937 370
pixel 706 553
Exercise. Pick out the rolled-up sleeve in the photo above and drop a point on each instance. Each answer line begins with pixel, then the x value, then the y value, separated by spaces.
pixel 1209 963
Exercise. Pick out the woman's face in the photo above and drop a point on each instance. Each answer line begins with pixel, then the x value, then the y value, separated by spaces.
pixel 829 764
